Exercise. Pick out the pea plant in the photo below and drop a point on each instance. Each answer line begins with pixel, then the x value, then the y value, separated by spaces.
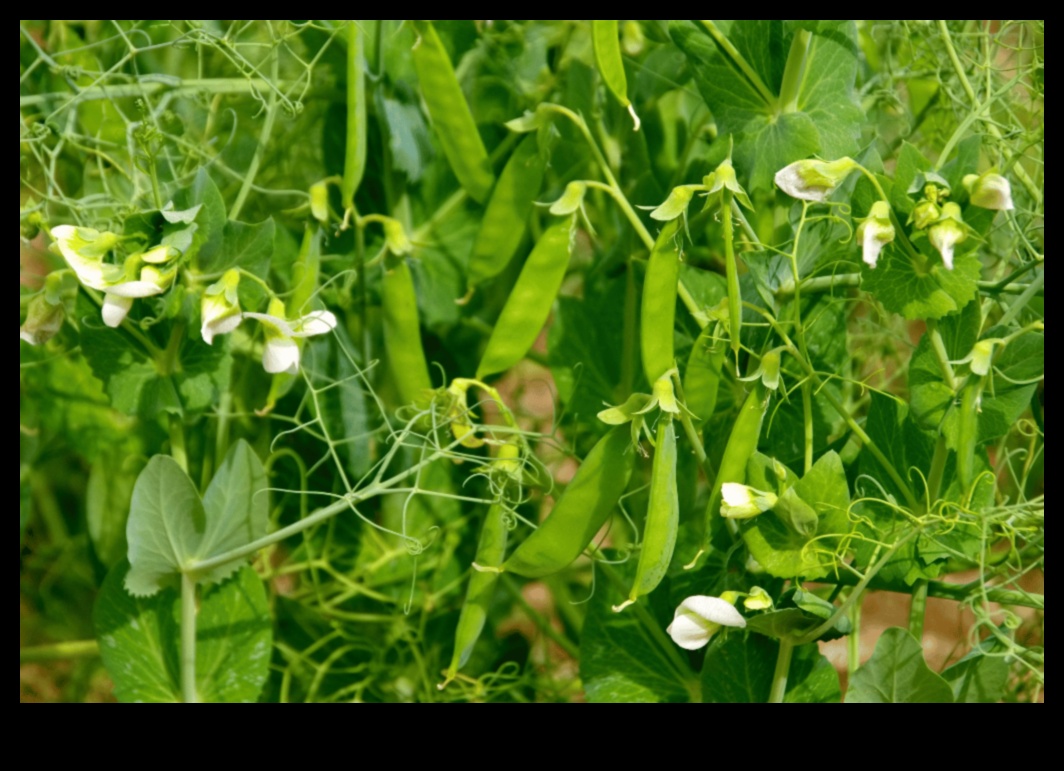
pixel 466 360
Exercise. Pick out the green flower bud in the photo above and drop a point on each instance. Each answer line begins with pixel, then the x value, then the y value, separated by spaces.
pixel 989 191
pixel 319 202
pixel 571 201
pixel 875 232
pixel 925 215
pixel 742 502
pixel 813 180
pixel 44 319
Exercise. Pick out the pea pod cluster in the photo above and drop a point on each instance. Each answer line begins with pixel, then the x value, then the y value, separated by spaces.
pixel 529 304
pixel 451 116
pixel 506 217
pixel 663 517
pixel 580 513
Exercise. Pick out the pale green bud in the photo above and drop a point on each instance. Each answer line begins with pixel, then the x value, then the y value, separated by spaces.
pixel 44 319
pixel 875 232
pixel 925 215
pixel 742 502
pixel 395 237
pixel 758 599
pixel 813 180
pixel 676 204
pixel 989 191
pixel 319 202
pixel 571 201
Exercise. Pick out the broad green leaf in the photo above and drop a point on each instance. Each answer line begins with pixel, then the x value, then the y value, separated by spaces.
pixel 170 527
pixel 911 163
pixel 827 120
pixel 927 293
pixel 930 397
pixel 210 221
pixel 979 678
pixel 585 347
pixel 131 378
pixel 139 640
pixel 786 553
pixel 1004 402
pixel 107 499
pixel 898 674
pixel 621 661
pixel 245 246
pixel 739 670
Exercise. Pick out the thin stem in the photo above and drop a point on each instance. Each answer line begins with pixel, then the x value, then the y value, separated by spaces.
pixel 783 669
pixel 1023 300
pixel 735 297
pixel 942 356
pixel 260 151
pixel 175 86
pixel 938 472
pixel 795 71
pixel 820 285
pixel 188 640
pixel 740 62
pixel 853 642
pixel 918 610
pixel 64 651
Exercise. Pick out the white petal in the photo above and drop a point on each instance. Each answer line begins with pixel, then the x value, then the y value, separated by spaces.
pixel 282 326
pixel 689 633
pixel 223 326
pixel 28 337
pixel 135 289
pixel 317 323
pixel 872 247
pixel 790 182
pixel 713 610
pixel 281 355
pixel 736 495
pixel 115 309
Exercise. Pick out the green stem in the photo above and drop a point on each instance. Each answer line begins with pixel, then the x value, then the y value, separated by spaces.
pixel 942 356
pixel 735 297
pixel 740 62
pixel 689 427
pixel 938 472
pixel 853 642
pixel 795 71
pixel 541 622
pixel 188 640
pixel 175 86
pixel 1023 300
pixel 260 151
pixel 820 285
pixel 64 651
pixel 178 448
pixel 918 610
pixel 783 669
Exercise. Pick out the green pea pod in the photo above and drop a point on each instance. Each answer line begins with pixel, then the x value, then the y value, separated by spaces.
pixel 491 551
pixel 968 432
pixel 529 305
pixel 606 36
pixel 581 511
pixel 450 114
pixel 742 444
pixel 663 517
pixel 402 335
pixel 701 382
pixel 506 216
pixel 355 157
pixel 659 304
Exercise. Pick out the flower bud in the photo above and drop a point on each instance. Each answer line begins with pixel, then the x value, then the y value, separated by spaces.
pixel 395 237
pixel 571 201
pixel 44 319
pixel 665 394
pixel 813 180
pixel 319 202
pixel 698 619
pixel 742 502
pixel 875 232
pixel 982 356
pixel 676 204
pixel 758 599
pixel 949 231
pixel 989 191
pixel 220 309
pixel 925 215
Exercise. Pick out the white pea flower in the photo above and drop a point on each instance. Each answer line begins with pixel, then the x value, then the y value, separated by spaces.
pixel 119 297
pixel 44 319
pixel 220 308
pixel 990 191
pixel 948 232
pixel 281 354
pixel 84 250
pixel 875 232
pixel 699 618
pixel 742 502
pixel 813 180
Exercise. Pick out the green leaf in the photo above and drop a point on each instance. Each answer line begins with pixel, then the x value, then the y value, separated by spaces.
pixel 620 661
pixel 739 670
pixel 139 640
pixel 244 246
pixel 24 509
pixel 210 220
pixel 898 674
pixel 927 293
pixel 107 499
pixel 827 121
pixel 170 527
pixel 786 553
pixel 979 678
pixel 911 163
pixel 930 396
pixel 585 346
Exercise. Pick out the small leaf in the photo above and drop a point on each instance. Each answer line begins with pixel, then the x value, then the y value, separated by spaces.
pixel 107 498
pixel 928 294
pixel 739 670
pixel 898 674
pixel 139 640
pixel 979 678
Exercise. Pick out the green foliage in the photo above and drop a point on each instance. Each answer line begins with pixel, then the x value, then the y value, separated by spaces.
pixel 739 366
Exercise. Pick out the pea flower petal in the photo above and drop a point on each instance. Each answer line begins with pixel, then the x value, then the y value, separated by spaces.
pixel 281 354
pixel 813 180
pixel 990 191
pixel 699 618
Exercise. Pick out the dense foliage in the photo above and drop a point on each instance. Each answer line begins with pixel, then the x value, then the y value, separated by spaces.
pixel 384 360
